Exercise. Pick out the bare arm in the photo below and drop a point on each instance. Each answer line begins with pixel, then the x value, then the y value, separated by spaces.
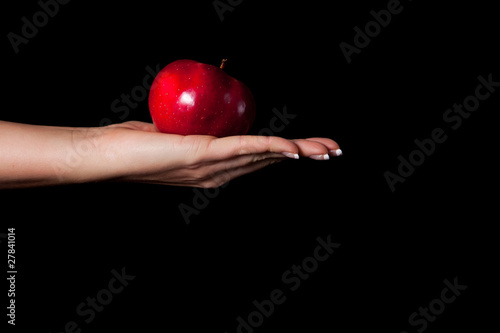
pixel 134 151
pixel 30 155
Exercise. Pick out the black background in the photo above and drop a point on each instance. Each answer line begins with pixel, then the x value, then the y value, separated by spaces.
pixel 396 248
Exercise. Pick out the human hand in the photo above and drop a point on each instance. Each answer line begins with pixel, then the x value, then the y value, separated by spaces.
pixel 137 152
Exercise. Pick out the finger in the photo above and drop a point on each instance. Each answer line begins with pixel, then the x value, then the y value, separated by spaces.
pixel 226 175
pixel 228 147
pixel 137 125
pixel 312 149
pixel 332 146
pixel 215 167
pixel 210 170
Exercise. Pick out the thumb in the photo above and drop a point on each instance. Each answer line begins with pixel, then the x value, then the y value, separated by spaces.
pixel 137 125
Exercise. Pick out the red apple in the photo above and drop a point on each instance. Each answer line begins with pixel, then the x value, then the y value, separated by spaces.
pixel 188 97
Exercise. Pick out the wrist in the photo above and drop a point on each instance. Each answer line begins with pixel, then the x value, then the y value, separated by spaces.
pixel 83 158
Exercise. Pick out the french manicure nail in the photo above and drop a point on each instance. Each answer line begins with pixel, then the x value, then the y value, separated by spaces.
pixel 320 157
pixel 336 152
pixel 291 155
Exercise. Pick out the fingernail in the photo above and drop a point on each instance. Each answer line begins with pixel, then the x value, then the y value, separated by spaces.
pixel 291 155
pixel 320 157
pixel 336 152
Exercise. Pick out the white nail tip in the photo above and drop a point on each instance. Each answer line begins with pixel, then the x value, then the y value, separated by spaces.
pixel 320 157
pixel 337 152
pixel 291 155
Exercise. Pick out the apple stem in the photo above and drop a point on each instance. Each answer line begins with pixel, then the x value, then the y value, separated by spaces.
pixel 223 64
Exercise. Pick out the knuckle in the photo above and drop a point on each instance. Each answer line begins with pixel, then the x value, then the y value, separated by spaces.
pixel 210 183
pixel 216 180
pixel 267 142
pixel 243 145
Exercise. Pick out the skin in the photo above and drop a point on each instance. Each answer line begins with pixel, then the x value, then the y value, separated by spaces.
pixel 136 152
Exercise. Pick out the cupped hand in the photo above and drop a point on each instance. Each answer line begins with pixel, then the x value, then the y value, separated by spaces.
pixel 138 152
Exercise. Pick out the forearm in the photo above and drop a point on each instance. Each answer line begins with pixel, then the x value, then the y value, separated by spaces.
pixel 45 155
pixel 135 151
